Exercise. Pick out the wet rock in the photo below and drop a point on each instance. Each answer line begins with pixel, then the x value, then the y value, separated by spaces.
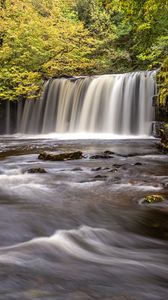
pixel 137 164
pixel 60 156
pixel 153 223
pixel 108 152
pixel 117 165
pixel 96 169
pixel 100 177
pixel 116 178
pixel 77 169
pixel 100 156
pixel 113 170
pixel 131 154
pixel 36 170
pixel 153 199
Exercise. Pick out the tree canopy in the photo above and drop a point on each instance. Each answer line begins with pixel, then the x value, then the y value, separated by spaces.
pixel 44 38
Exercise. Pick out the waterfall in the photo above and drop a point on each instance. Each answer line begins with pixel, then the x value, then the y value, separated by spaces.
pixel 118 104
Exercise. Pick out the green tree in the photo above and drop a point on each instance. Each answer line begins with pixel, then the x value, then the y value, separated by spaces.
pixel 106 26
pixel 149 33
pixel 40 39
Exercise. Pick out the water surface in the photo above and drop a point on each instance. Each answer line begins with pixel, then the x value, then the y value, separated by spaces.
pixel 80 231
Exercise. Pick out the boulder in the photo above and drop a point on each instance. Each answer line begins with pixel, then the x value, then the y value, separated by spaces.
pixel 60 156
pixel 36 170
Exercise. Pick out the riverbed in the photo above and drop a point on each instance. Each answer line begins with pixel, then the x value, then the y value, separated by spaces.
pixel 81 231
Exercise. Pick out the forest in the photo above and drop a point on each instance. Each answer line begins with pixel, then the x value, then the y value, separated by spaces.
pixel 40 39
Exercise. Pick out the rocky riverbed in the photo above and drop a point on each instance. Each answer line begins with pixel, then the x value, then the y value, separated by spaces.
pixel 80 229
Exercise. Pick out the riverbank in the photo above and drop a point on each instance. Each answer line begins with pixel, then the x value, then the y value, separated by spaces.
pixel 163 146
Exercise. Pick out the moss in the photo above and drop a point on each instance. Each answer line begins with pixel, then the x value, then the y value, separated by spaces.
pixel 153 199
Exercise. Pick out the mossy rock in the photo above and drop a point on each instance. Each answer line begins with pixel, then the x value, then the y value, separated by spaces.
pixel 61 156
pixel 150 199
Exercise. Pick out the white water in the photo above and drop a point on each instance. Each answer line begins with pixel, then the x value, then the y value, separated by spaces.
pixel 111 105
pixel 96 245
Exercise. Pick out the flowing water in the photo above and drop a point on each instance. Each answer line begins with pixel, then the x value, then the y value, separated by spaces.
pixel 110 104
pixel 81 231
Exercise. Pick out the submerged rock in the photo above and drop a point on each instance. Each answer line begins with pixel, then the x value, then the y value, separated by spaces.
pixel 60 156
pixel 153 199
pixel 36 170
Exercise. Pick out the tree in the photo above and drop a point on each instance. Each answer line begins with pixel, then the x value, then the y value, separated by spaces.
pixel 149 22
pixel 106 26
pixel 40 39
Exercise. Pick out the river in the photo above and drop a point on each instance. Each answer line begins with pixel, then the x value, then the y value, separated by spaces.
pixel 81 230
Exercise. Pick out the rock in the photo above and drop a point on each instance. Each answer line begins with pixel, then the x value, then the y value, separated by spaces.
pixel 153 199
pixel 77 169
pixel 108 152
pixel 96 169
pixel 100 156
pixel 163 145
pixel 164 148
pixel 117 165
pixel 113 170
pixel 156 126
pixel 36 170
pixel 61 156
pixel 63 76
pixel 137 164
pixel 100 177
pixel 116 178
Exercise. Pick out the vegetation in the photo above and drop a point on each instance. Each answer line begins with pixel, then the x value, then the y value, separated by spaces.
pixel 153 199
pixel 163 145
pixel 162 79
pixel 44 38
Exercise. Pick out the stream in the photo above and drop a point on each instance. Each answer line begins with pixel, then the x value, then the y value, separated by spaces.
pixel 81 231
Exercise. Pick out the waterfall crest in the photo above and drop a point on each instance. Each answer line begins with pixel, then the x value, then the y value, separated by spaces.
pixel 116 104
